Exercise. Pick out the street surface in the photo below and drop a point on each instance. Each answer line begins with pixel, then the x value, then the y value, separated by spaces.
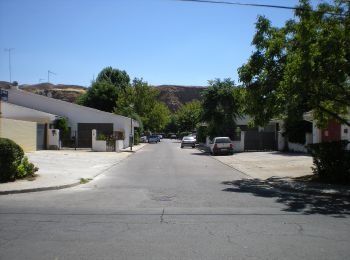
pixel 170 203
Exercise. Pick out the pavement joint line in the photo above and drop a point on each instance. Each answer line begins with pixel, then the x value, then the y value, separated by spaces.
pixel 65 186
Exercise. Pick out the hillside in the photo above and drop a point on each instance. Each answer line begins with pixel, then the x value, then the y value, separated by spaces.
pixel 174 96
pixel 171 95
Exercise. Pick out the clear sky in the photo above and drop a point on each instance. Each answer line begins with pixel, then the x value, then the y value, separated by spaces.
pixel 162 41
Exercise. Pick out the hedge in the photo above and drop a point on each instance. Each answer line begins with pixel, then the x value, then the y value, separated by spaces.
pixel 331 161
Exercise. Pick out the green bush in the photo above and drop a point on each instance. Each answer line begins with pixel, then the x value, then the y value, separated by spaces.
pixel 331 161
pixel 13 163
pixel 25 169
pixel 11 155
pixel 136 138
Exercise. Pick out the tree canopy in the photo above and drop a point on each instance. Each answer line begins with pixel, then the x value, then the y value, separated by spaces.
pixel 222 102
pixel 104 91
pixel 189 115
pixel 300 67
pixel 140 99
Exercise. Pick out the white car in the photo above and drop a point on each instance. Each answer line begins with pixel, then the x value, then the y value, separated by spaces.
pixel 143 139
pixel 221 145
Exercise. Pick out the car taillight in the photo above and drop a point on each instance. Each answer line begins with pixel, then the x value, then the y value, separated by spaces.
pixel 231 146
pixel 215 146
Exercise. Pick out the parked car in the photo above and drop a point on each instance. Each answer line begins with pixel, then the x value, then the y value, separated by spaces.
pixel 221 145
pixel 173 136
pixel 143 139
pixel 153 139
pixel 188 141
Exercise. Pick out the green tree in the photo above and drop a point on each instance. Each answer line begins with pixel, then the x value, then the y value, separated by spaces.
pixel 303 66
pixel 221 107
pixel 189 115
pixel 173 125
pixel 104 92
pixel 140 99
pixel 159 117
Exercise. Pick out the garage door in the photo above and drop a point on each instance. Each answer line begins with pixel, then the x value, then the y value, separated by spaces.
pixel 260 141
pixel 40 137
pixel 85 132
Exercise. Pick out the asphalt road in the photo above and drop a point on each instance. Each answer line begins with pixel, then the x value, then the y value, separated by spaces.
pixel 170 203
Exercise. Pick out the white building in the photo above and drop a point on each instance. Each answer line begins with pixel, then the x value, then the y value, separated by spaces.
pixel 82 120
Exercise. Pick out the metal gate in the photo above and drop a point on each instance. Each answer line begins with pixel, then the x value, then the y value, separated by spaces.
pixel 260 141
pixel 85 132
pixel 40 136
pixel 110 145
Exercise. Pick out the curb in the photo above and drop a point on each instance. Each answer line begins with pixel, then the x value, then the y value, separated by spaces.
pixel 60 187
pixel 305 190
pixel 65 186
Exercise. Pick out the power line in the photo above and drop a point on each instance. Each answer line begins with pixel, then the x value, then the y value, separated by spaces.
pixel 253 5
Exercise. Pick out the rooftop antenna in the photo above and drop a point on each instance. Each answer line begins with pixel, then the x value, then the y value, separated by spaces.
pixel 48 75
pixel 9 50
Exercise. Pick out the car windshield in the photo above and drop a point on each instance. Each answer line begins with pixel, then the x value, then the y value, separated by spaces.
pixel 222 140
pixel 188 138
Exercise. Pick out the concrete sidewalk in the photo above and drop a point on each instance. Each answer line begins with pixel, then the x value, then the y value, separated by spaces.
pixel 279 171
pixel 65 168
pixel 264 165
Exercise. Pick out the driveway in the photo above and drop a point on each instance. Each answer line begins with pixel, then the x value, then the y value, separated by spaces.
pixel 264 165
pixel 65 168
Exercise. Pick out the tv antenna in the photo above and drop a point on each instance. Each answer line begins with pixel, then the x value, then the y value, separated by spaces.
pixel 49 72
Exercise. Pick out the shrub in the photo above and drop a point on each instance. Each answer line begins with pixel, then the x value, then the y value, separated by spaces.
pixel 331 161
pixel 136 138
pixel 25 169
pixel 11 155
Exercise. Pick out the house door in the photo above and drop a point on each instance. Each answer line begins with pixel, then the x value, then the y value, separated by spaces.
pixel 332 132
pixel 85 132
pixel 40 136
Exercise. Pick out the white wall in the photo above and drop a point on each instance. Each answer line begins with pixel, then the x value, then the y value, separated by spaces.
pixel 12 111
pixel 98 145
pixel 53 139
pixel 74 113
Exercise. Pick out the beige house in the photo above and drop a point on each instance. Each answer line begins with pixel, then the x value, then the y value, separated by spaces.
pixel 27 127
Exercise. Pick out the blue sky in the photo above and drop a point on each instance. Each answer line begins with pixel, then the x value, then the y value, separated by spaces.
pixel 162 41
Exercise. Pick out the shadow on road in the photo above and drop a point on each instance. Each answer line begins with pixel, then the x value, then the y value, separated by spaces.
pixel 295 201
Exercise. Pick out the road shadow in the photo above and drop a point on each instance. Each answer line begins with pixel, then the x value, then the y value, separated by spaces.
pixel 294 201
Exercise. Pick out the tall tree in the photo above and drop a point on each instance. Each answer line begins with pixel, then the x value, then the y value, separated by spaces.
pixel 140 99
pixel 189 115
pixel 303 66
pixel 104 92
pixel 221 107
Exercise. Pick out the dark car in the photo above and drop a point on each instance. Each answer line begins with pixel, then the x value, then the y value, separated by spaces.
pixel 188 141
pixel 153 139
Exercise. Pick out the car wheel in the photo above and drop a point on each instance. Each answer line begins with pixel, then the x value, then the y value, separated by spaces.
pixel 193 146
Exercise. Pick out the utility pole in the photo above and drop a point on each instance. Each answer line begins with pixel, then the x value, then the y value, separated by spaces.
pixel 48 75
pixel 9 50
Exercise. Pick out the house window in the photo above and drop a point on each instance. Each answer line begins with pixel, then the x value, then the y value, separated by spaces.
pixel 345 130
